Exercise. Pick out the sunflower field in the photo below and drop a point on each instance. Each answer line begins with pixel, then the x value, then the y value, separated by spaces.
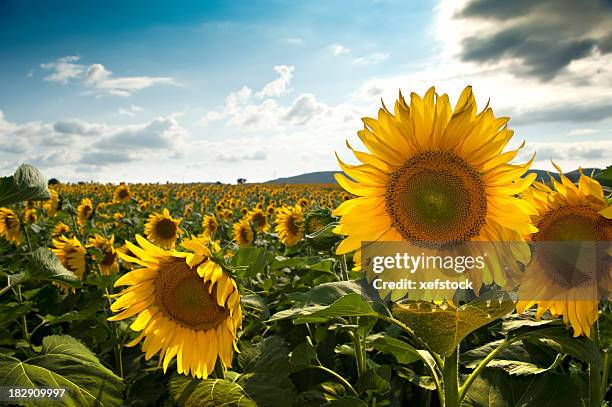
pixel 254 294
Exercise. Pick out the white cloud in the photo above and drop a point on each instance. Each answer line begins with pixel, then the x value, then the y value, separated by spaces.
pixel 131 111
pixel 280 85
pixel 338 49
pixel 370 59
pixel 69 144
pixel 582 132
pixel 568 155
pixel 99 80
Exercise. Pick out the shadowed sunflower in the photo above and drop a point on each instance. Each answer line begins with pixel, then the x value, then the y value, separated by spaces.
pixel 52 205
pixel 122 193
pixel 29 215
pixel 435 177
pixel 108 261
pixel 290 224
pixel 556 280
pixel 188 307
pixel 59 229
pixel 259 220
pixel 84 211
pixel 162 229
pixel 242 233
pixel 210 225
pixel 71 253
pixel 10 225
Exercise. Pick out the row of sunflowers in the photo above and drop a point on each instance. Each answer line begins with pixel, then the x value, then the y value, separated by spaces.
pixel 253 294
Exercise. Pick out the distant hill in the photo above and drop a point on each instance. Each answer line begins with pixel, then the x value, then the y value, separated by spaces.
pixel 321 177
pixel 327 177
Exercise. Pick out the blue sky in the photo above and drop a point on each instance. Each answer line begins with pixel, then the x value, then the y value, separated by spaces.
pixel 188 91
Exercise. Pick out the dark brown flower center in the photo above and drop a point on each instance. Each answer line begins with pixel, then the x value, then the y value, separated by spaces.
pixel 436 198
pixel 183 297
pixel 165 228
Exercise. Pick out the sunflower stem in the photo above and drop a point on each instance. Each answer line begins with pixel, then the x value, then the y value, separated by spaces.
pixel 451 379
pixel 470 380
pixel 595 373
pixel 338 377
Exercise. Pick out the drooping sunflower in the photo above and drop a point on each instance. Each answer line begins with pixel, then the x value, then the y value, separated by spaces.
pixel 122 193
pixel 242 233
pixel 556 280
pixel 29 215
pixel 84 211
pixel 188 307
pixel 108 261
pixel 290 225
pixel 435 176
pixel 210 225
pixel 259 220
pixel 162 229
pixel 59 229
pixel 53 204
pixel 71 253
pixel 10 226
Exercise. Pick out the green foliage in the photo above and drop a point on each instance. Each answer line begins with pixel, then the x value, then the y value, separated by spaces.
pixel 27 184
pixel 64 362
pixel 444 327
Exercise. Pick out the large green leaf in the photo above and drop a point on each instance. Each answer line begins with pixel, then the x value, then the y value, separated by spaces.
pixel 264 382
pixel 402 351
pixel 248 261
pixel 444 327
pixel 208 393
pixel 66 363
pixel 519 358
pixel 560 339
pixel 266 373
pixel 43 265
pixel 346 306
pixel 327 293
pixel 27 184
pixel 495 388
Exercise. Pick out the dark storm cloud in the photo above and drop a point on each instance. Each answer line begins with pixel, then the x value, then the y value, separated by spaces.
pixel 545 35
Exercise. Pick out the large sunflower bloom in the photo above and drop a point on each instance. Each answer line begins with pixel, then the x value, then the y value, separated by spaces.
pixel 71 253
pixel 108 261
pixel 162 229
pixel 242 233
pixel 122 193
pixel 84 211
pixel 210 225
pixel 10 225
pixel 53 204
pixel 188 307
pixel 259 220
pixel 59 229
pixel 434 176
pixel 567 212
pixel 290 225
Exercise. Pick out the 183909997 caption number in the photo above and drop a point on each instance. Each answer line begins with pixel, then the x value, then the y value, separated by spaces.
pixel 35 393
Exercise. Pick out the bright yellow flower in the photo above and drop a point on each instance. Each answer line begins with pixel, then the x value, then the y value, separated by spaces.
pixel 162 229
pixel 187 306
pixel 10 225
pixel 71 253
pixel 290 225
pixel 242 233
pixel 435 176
pixel 567 212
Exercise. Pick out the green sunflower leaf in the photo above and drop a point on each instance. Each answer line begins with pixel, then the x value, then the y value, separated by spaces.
pixel 45 266
pixel 27 184
pixel 66 363
pixel 496 388
pixel 208 393
pixel 444 327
